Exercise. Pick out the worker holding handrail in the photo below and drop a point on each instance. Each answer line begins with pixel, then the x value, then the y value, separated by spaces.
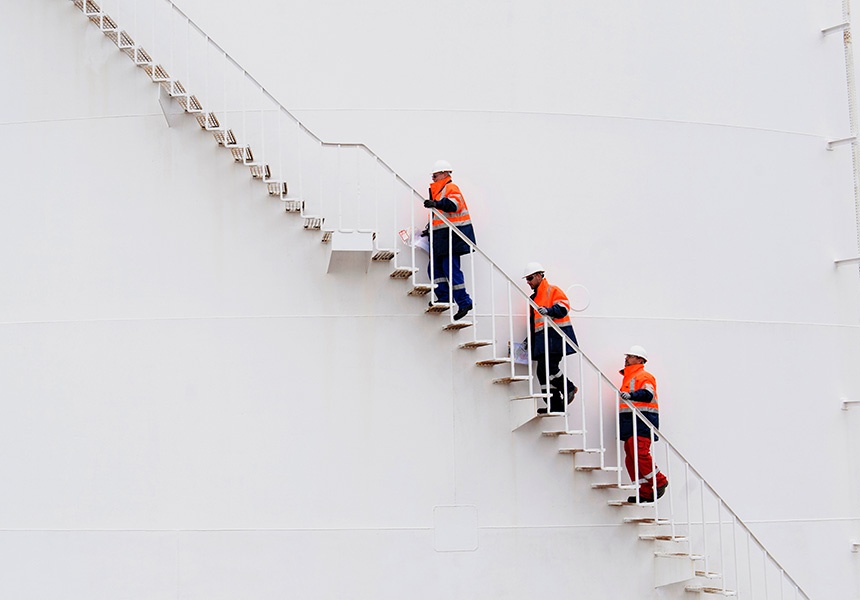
pixel 639 387
pixel 447 248
pixel 546 344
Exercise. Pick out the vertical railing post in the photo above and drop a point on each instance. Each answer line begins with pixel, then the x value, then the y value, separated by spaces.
pixel 582 396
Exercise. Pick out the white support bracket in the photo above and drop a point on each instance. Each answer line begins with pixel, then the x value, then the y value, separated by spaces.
pixel 847 261
pixel 855 547
pixel 846 403
pixel 350 248
pixel 841 142
pixel 835 28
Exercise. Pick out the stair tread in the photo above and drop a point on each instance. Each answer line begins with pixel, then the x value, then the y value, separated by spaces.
pixel 612 485
pixel 314 223
pixel 475 344
pixel 679 555
pixel 383 254
pixel 492 362
pixel 294 205
pixel 710 590
pixel 457 325
pixel 403 272
pixel 511 379
pixel 647 521
pixel 437 307
pixel 277 188
pixel 420 289
pixel 708 574
pixel 662 538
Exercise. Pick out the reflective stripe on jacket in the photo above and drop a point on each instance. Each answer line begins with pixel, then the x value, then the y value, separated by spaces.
pixel 636 378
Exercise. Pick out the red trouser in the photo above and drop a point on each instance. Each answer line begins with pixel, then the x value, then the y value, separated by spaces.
pixel 642 449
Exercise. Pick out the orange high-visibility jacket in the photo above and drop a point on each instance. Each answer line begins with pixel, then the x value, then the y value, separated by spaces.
pixel 637 378
pixel 450 201
pixel 555 300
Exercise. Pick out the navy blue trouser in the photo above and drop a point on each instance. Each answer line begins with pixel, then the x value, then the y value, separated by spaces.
pixel 441 276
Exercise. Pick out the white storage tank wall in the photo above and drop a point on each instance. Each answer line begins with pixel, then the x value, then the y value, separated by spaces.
pixel 670 158
pixel 177 360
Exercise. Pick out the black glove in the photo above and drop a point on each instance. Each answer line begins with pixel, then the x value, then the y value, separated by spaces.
pixel 425 232
pixel 429 204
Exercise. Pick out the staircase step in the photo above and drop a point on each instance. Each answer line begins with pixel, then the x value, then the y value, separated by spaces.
pixel 224 137
pixel 403 272
pixel 107 24
pixel 156 72
pixel 277 188
pixel 140 56
pixel 646 521
pixel 679 555
pixel 577 451
pixel 662 538
pixel 511 379
pixel 383 254
pixel 708 574
pixel 260 171
pixel 208 121
pixel 592 469
pixel 294 205
pixel 420 289
pixel 242 154
pixel 104 21
pixel 475 344
pixel 437 307
pixel 554 432
pixel 326 236
pixel 314 223
pixel 120 38
pixel 625 503
pixel 173 87
pixel 701 589
pixel 124 41
pixel 457 325
pixel 492 362
pixel 189 103
pixel 613 486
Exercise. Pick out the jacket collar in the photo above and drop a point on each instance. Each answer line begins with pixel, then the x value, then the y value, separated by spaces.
pixel 542 286
pixel 631 370
pixel 437 186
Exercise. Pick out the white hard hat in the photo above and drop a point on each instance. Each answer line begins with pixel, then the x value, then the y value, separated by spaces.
pixel 637 351
pixel 532 267
pixel 442 166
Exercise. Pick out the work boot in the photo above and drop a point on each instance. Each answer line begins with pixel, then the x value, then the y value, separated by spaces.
pixel 571 392
pixel 555 403
pixel 462 312
pixel 647 498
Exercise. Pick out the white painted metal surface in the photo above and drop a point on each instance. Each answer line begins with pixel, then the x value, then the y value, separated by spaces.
pixel 181 283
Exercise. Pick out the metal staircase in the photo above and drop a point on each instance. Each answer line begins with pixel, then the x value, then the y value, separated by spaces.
pixel 346 192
